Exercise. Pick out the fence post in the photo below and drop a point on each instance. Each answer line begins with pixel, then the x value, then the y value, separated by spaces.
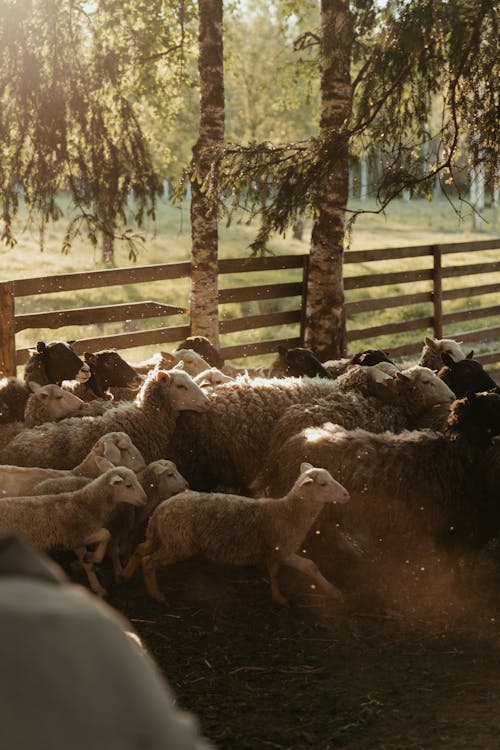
pixel 7 330
pixel 303 307
pixel 437 291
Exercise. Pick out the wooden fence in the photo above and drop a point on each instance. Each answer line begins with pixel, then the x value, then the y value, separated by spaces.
pixel 434 298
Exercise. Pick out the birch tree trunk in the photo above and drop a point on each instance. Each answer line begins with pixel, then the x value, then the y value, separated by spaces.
pixel 325 316
pixel 204 231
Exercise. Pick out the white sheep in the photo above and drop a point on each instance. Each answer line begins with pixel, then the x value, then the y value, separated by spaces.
pixel 73 520
pixel 227 445
pixel 46 403
pixel 236 530
pixel 433 350
pixel 211 378
pixel 126 525
pixel 115 447
pixel 149 421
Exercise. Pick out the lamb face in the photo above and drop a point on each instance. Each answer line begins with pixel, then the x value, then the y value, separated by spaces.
pixel 182 391
pixel 432 388
pixel 119 450
pixel 125 487
pixel 320 486
pixel 58 402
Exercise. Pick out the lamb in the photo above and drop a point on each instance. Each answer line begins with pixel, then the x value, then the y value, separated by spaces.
pixel 432 352
pixel 477 416
pixel 126 525
pixel 107 369
pixel 227 446
pixel 466 376
pixel 366 358
pixel 47 403
pixel 53 363
pixel 236 530
pixel 297 362
pixel 73 520
pixel 413 488
pixel 209 379
pixel 149 421
pixel 115 447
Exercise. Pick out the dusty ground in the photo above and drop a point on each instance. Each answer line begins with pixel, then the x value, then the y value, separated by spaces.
pixel 417 667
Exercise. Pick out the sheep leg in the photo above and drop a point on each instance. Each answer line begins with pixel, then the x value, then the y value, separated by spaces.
pixel 100 537
pixel 149 565
pixel 273 567
pixel 94 584
pixel 135 560
pixel 114 554
pixel 309 568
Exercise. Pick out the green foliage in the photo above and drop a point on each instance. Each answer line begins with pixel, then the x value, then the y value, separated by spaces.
pixel 424 93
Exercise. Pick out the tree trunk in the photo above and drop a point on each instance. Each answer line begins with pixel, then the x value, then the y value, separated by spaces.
pixel 108 249
pixel 204 231
pixel 325 316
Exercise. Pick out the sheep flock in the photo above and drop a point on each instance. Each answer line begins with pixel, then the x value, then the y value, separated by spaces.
pixel 153 462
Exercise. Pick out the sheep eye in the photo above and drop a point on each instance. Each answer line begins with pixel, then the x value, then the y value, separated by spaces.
pixel 180 385
pixel 58 398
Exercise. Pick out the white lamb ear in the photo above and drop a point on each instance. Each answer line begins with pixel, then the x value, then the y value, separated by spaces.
pixel 34 386
pixel 305 467
pixel 179 365
pixel 401 376
pixel 103 464
pixel 116 479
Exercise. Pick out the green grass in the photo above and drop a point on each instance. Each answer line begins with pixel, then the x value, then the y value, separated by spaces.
pixel 416 222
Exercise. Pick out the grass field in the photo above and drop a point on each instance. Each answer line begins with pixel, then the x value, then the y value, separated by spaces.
pixel 413 222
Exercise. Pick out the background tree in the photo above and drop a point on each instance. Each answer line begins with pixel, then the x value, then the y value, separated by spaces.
pixel 398 55
pixel 204 231
pixel 67 122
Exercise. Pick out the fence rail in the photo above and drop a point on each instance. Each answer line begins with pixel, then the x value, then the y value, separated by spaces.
pixel 433 298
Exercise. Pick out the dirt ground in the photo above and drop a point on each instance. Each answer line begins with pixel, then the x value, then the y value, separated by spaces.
pixel 412 665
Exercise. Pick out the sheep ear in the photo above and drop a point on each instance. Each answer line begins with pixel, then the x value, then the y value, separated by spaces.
pixel 179 365
pixel 470 354
pixel 98 448
pixel 305 466
pixel 430 343
pixel 103 464
pixel 401 376
pixel 162 375
pixel 34 387
pixel 169 358
pixel 89 357
pixel 116 479
pixel 40 347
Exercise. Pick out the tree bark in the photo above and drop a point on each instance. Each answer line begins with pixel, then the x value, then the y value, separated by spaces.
pixel 325 317
pixel 204 230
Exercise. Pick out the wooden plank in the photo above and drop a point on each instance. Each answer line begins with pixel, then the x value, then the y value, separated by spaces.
pixel 366 305
pixel 122 341
pixel 384 279
pixel 7 330
pixel 251 322
pixel 479 335
pixel 259 347
pixel 403 350
pixel 373 331
pixel 98 314
pixel 471 291
pixel 267 263
pixel 471 269
pixel 471 314
pixel 267 291
pixel 93 279
pixel 416 251
pixel 387 253
pixel 488 358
